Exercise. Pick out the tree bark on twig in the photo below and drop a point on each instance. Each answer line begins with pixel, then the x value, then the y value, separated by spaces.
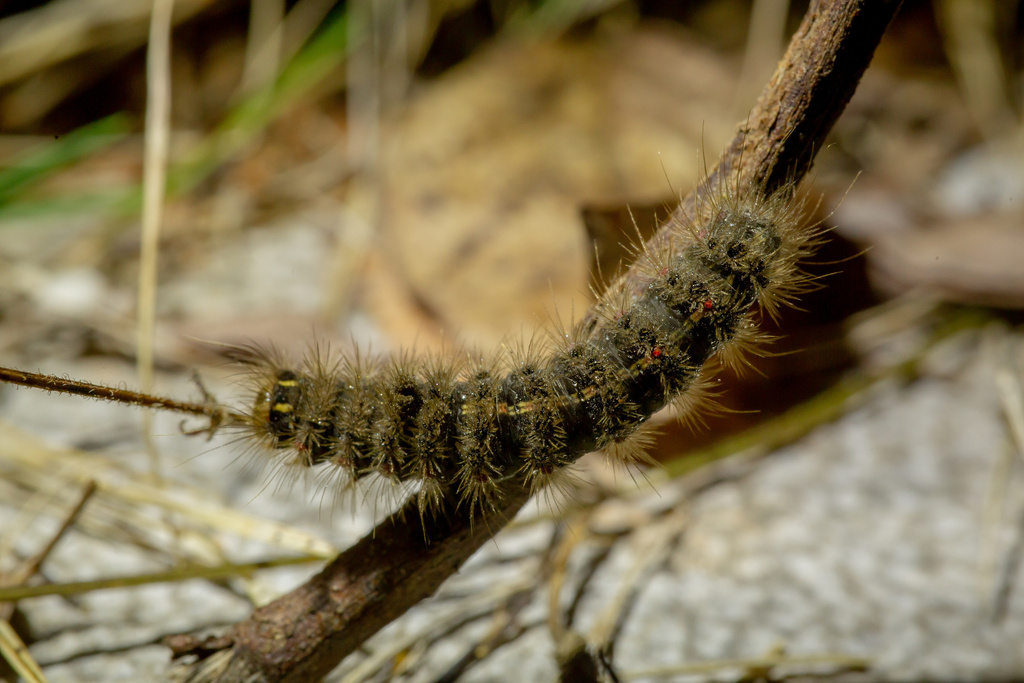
pixel 306 633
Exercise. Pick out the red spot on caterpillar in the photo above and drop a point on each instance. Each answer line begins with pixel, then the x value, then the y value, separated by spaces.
pixel 656 352
pixel 708 304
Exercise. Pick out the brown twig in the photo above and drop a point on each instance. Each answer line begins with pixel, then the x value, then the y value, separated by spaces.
pixel 303 635
pixel 22 662
pixel 101 392
pixel 33 564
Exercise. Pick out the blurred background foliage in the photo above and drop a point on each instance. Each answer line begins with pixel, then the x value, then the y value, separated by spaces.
pixel 412 172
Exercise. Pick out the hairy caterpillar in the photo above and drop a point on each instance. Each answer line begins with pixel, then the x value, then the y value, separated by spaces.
pixel 459 426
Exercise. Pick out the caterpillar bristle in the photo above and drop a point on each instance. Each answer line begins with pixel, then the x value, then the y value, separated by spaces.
pixel 559 490
pixel 634 449
pixel 693 408
pixel 748 341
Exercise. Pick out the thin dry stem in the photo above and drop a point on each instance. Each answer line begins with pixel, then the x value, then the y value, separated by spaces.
pixel 154 189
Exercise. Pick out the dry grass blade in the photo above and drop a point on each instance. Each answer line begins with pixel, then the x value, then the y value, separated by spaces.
pixel 17 655
pixel 32 462
pixel 154 189
pixel 56 31
pixel 763 668
pixel 224 571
